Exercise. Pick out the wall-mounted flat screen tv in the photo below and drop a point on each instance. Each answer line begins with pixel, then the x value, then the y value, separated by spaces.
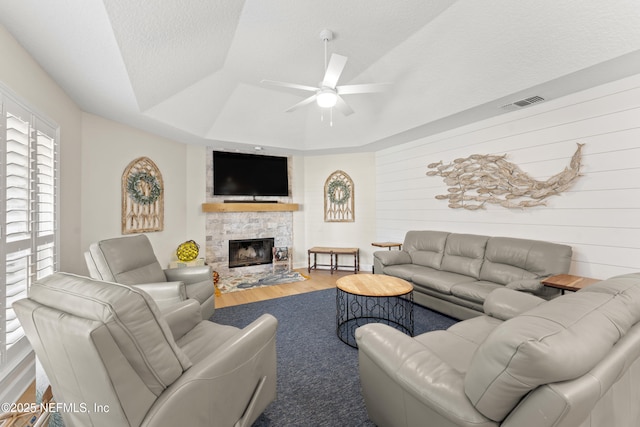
pixel 240 174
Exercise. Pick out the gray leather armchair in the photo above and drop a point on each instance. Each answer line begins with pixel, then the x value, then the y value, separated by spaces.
pixel 113 360
pixel 130 260
pixel 573 361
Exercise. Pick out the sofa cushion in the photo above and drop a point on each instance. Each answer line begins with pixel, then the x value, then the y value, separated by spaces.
pixel 204 339
pixel 508 259
pixel 457 344
pixel 403 271
pixel 425 247
pixel 474 291
pixel 505 303
pixel 464 254
pixel 441 281
pixel 555 341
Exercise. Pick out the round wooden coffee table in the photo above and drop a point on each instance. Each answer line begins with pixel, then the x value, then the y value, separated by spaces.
pixel 372 298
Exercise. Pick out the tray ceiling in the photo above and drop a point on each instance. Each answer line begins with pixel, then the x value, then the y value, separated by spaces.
pixel 190 70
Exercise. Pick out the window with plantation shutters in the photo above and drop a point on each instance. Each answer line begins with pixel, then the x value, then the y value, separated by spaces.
pixel 28 214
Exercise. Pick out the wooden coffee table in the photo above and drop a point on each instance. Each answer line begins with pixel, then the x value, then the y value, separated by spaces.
pixel 372 298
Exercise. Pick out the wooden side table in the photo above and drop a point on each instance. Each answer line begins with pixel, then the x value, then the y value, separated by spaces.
pixel 388 245
pixel 568 282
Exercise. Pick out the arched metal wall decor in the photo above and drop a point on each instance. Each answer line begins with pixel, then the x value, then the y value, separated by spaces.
pixel 479 179
pixel 142 197
pixel 339 198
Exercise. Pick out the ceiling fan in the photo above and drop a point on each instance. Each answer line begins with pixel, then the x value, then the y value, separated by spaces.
pixel 328 94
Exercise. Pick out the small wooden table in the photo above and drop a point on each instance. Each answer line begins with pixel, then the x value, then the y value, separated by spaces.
pixel 372 298
pixel 388 245
pixel 568 282
pixel 333 257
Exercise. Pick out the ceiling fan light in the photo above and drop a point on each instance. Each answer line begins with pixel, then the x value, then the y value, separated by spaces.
pixel 326 98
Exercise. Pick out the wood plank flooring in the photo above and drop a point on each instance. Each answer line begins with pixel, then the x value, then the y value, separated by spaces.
pixel 318 280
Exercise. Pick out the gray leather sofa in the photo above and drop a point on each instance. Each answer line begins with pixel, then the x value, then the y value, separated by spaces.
pixel 454 273
pixel 573 361
pixel 106 346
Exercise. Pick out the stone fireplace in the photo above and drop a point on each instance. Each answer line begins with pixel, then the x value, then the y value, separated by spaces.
pixel 246 252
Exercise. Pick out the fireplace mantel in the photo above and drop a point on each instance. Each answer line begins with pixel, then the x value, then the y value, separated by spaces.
pixel 249 207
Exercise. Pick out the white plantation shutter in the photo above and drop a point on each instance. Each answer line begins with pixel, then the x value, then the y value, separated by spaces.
pixel 28 214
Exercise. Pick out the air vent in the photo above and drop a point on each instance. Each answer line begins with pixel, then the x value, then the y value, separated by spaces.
pixel 522 103
pixel 529 101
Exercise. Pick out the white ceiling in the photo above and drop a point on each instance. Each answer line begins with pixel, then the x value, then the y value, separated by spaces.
pixel 190 70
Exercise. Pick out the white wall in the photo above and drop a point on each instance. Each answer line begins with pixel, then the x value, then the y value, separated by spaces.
pixel 108 148
pixel 196 183
pixel 599 216
pixel 298 194
pixel 317 232
pixel 23 76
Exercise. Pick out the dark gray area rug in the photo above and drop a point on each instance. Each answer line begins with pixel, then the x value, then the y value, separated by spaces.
pixel 318 381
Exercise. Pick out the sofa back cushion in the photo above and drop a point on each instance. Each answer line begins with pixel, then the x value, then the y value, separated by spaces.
pixel 508 259
pixel 559 340
pixel 129 260
pixel 464 254
pixel 425 247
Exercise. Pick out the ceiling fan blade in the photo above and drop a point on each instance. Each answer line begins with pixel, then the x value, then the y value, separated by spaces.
pixel 334 69
pixel 290 85
pixel 301 103
pixel 343 107
pixel 364 88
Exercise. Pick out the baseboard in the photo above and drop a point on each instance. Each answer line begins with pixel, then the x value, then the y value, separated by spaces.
pixel 364 268
pixel 18 378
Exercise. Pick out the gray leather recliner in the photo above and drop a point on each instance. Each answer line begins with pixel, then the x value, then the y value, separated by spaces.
pixel 113 360
pixel 130 260
pixel 573 361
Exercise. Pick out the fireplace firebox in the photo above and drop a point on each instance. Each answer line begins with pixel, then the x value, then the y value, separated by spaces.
pixel 243 253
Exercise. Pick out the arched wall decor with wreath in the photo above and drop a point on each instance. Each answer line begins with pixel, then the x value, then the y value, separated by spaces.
pixel 142 197
pixel 339 198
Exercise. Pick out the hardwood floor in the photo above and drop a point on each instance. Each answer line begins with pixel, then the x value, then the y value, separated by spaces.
pixel 318 280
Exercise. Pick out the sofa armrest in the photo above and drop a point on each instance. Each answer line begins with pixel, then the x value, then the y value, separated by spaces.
pixel 241 373
pixel 165 294
pixel 182 317
pixel 189 275
pixel 392 257
pixel 393 365
pixel 505 303
pixel 526 285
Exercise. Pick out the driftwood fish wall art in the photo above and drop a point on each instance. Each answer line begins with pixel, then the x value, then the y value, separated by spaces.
pixel 480 179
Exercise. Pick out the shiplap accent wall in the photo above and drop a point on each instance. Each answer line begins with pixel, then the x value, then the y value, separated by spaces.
pixel 599 216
